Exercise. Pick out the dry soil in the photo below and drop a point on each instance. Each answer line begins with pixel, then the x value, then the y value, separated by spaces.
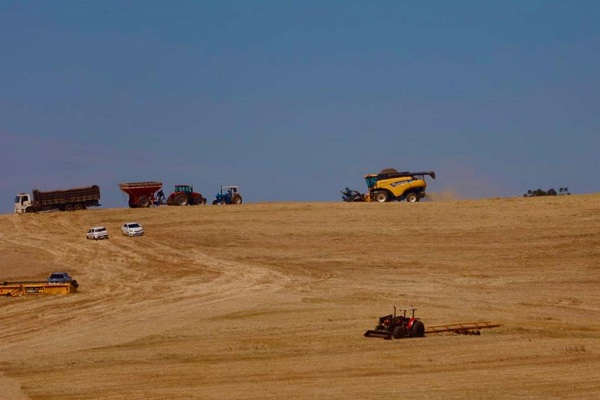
pixel 270 301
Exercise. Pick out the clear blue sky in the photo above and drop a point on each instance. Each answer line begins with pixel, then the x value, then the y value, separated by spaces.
pixel 294 100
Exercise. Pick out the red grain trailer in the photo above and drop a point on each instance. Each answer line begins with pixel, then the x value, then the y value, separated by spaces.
pixel 143 194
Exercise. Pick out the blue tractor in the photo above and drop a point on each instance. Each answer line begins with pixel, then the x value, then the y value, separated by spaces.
pixel 228 195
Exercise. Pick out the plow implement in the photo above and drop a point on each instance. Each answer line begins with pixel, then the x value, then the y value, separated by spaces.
pixel 469 328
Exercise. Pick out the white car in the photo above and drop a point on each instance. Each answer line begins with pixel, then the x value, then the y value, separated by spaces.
pixel 132 229
pixel 97 233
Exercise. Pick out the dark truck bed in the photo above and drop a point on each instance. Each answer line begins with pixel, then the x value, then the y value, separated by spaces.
pixel 89 196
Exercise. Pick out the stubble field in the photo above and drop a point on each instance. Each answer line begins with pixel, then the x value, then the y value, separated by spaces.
pixel 270 301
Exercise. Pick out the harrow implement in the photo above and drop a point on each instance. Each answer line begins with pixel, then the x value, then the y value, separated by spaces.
pixel 469 328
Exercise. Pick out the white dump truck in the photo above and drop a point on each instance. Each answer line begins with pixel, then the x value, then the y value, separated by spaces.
pixel 61 200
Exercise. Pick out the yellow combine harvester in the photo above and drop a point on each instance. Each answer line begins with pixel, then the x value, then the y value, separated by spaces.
pixel 390 184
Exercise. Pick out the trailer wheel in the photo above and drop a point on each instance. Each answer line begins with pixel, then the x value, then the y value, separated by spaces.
pixel 78 207
pixel 69 207
pixel 143 201
pixel 399 332
pixel 412 197
pixel 381 196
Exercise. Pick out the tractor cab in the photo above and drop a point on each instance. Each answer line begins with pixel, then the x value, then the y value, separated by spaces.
pixel 229 189
pixel 184 188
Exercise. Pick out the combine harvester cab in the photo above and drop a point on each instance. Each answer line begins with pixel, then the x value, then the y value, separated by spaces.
pixel 142 194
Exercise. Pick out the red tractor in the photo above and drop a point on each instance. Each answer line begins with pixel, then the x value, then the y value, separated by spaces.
pixel 184 195
pixel 398 326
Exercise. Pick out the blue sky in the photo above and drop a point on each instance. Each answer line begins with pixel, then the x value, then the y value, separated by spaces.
pixel 295 100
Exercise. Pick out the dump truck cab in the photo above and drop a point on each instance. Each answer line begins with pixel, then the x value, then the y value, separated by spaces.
pixel 390 184
pixel 23 203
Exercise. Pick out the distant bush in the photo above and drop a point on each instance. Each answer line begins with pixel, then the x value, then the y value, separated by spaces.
pixel 549 192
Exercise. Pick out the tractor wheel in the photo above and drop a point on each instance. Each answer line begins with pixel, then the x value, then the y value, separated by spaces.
pixel 236 199
pixel 380 197
pixel 199 200
pixel 143 201
pixel 417 329
pixel 214 203
pixel 399 332
pixel 180 200
pixel 412 197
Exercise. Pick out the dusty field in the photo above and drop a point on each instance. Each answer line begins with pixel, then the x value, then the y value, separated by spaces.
pixel 271 301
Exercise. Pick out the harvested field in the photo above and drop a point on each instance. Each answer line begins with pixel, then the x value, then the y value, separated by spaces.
pixel 266 301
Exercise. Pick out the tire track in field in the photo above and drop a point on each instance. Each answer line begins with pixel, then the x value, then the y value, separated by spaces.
pixel 127 293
